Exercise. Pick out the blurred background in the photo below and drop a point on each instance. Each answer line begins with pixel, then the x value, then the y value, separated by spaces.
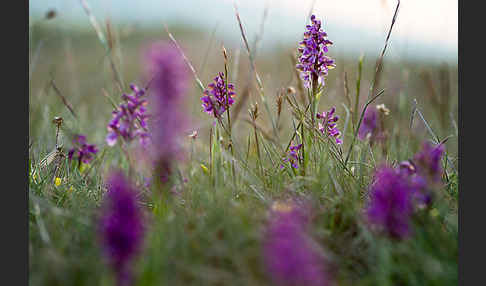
pixel 420 62
pixel 425 29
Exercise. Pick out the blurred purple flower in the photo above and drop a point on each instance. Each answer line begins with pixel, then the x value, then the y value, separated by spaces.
pixel 167 71
pixel 424 173
pixel 290 255
pixel 397 193
pixel 166 68
pixel 390 206
pixel 427 161
pixel 218 96
pixel 369 125
pixel 328 126
pixel 81 150
pixel 313 64
pixel 129 121
pixel 121 226
pixel 372 126
pixel 422 195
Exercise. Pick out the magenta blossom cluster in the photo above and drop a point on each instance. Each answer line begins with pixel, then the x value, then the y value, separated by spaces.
pixel 121 227
pixel 81 150
pixel 290 255
pixel 293 156
pixel 313 64
pixel 129 121
pixel 397 192
pixel 328 126
pixel 390 207
pixel 218 97
pixel 169 77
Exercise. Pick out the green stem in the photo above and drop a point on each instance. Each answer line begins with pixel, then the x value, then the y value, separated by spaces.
pixel 229 120
pixel 258 148
pixel 303 150
pixel 211 156
pixel 358 85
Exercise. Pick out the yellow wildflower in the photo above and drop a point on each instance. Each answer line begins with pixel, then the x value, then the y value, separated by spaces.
pixel 57 181
pixel 434 212
pixel 205 169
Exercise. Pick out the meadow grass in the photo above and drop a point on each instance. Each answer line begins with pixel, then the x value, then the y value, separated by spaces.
pixel 207 224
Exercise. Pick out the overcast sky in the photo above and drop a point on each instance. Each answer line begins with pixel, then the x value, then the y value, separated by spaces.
pixel 424 28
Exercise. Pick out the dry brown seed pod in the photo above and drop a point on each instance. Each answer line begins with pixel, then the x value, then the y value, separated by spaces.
pixel 291 90
pixel 57 120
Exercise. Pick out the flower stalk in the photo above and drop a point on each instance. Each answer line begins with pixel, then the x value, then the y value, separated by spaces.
pixel 230 144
